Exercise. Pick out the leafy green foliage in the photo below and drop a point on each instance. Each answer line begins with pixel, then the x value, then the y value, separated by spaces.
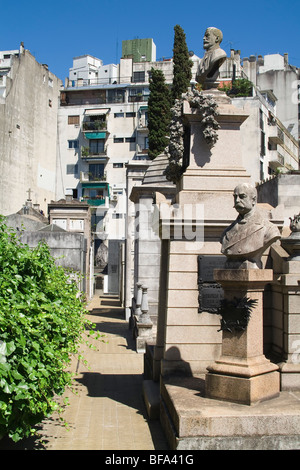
pixel 159 113
pixel 182 64
pixel 241 87
pixel 42 319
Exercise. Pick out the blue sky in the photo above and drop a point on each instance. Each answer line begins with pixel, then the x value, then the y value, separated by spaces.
pixel 56 31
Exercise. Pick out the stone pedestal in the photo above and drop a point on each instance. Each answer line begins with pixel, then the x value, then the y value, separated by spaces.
pixel 143 325
pixel 243 374
pixel 289 286
pixel 144 335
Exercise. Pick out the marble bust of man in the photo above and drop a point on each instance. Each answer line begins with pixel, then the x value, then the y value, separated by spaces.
pixel 214 57
pixel 246 239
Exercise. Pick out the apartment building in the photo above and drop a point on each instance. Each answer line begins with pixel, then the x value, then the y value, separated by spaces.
pixel 270 136
pixel 273 72
pixel 103 141
pixel 29 98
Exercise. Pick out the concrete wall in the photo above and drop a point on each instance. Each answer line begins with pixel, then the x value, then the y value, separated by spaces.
pixel 69 249
pixel 282 190
pixel 28 134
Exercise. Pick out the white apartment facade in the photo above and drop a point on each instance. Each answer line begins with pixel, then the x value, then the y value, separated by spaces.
pixel 103 135
pixel 270 137
pixel 103 128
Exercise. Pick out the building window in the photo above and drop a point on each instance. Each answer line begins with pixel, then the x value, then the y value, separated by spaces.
pixel 118 140
pixel 118 165
pixel 138 94
pixel 73 119
pixel 94 123
pixel 73 144
pixel 130 115
pixel 116 96
pixel 96 146
pixel 62 223
pixel 96 172
pixel 261 119
pixel 89 193
pixel 117 216
pixel 262 144
pixel 138 77
pixel 130 139
pixel 76 225
pixel 119 115
pixel 261 172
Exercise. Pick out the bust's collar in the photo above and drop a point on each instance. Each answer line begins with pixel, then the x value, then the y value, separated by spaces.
pixel 243 219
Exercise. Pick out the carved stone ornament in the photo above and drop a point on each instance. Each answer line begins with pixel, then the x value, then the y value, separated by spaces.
pixel 246 239
pixel 235 314
pixel 207 107
pixel 208 69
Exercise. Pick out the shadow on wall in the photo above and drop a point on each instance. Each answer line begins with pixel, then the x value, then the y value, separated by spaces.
pixel 178 372
pixel 174 363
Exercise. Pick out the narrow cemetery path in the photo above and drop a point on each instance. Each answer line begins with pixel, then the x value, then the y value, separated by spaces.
pixel 107 412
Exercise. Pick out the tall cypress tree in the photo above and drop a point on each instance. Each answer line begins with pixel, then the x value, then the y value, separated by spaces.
pixel 182 64
pixel 159 113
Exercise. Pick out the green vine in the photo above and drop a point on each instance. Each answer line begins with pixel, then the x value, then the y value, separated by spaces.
pixel 207 108
pixel 42 323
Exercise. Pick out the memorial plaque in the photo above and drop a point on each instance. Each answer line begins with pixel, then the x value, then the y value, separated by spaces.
pixel 206 266
pixel 210 292
pixel 210 296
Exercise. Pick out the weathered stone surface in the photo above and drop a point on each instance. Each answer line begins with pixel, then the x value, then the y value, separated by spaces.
pixel 193 422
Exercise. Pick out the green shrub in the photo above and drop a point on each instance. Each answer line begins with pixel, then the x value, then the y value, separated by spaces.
pixel 42 320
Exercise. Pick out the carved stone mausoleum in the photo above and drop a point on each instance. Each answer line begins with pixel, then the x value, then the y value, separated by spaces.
pixel 224 368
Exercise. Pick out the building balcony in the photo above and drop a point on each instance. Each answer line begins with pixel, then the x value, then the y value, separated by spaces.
pixel 141 153
pixel 276 160
pixel 95 201
pixel 276 135
pixel 94 126
pixel 87 177
pixel 95 193
pixel 142 127
pixel 87 154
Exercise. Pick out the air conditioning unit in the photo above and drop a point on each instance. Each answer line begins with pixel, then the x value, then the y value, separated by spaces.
pixel 114 197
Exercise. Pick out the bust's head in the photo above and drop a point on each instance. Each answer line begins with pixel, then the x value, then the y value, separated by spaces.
pixel 212 38
pixel 245 197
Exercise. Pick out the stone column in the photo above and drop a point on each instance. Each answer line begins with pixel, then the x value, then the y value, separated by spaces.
pixel 243 374
pixel 138 303
pixel 143 324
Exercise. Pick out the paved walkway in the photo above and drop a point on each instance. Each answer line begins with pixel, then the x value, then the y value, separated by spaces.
pixel 107 412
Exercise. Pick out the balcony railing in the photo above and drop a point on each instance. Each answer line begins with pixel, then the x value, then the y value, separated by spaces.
pixel 94 201
pixel 92 126
pixel 276 135
pixel 137 98
pixel 87 153
pixel 276 159
pixel 142 126
pixel 87 177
